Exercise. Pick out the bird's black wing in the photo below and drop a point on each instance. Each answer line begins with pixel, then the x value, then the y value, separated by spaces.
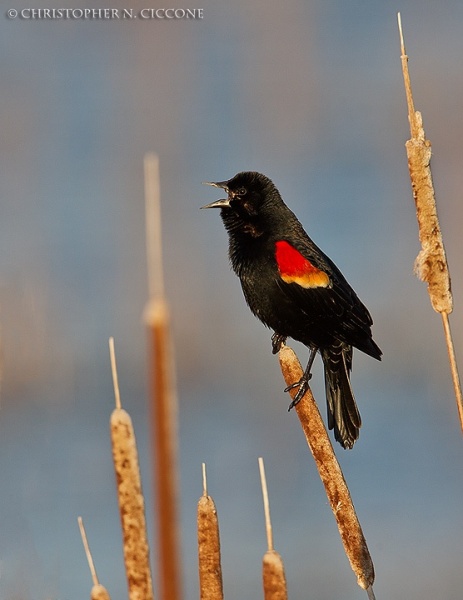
pixel 317 286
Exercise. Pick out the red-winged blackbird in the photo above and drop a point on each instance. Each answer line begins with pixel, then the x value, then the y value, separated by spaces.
pixel 297 291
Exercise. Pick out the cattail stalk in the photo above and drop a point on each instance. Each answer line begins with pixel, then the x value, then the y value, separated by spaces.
pixel 163 398
pixel 210 568
pixel 130 497
pixel 273 570
pixel 331 475
pixel 98 592
pixel 431 263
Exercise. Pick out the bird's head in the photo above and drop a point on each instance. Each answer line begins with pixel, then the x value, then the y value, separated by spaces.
pixel 250 196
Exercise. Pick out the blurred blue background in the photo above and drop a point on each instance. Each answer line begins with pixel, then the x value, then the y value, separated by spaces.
pixel 311 94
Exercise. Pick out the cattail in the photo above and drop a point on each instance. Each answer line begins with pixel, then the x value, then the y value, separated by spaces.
pixel 273 576
pixel 130 496
pixel 330 472
pixel 98 592
pixel 273 571
pixel 163 397
pixel 210 568
pixel 431 263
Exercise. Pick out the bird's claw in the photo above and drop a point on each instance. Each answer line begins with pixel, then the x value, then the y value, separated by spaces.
pixel 292 386
pixel 277 342
pixel 303 385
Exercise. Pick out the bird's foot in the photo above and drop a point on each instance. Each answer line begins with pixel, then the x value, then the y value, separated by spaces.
pixel 303 385
pixel 277 342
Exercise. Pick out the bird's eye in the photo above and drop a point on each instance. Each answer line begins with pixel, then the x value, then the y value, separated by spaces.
pixel 241 191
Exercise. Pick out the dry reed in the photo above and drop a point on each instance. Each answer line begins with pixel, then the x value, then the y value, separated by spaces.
pixel 431 263
pixel 98 591
pixel 130 497
pixel 163 398
pixel 210 568
pixel 273 570
pixel 331 475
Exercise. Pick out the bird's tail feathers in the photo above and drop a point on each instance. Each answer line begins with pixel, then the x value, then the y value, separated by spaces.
pixel 343 415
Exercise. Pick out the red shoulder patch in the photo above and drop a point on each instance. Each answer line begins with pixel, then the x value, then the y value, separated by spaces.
pixel 294 268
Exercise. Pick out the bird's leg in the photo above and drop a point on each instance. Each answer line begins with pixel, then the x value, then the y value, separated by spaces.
pixel 277 342
pixel 303 382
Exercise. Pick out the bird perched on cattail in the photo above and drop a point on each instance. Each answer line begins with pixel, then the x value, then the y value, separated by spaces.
pixel 297 291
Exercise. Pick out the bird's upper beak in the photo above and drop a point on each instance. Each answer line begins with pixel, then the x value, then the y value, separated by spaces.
pixel 224 202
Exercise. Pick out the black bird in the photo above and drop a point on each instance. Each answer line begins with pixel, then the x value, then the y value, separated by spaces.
pixel 297 291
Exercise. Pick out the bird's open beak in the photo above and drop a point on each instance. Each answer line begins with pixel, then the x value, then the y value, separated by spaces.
pixel 224 202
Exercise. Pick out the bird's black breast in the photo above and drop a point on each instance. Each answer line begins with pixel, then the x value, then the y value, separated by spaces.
pixel 266 297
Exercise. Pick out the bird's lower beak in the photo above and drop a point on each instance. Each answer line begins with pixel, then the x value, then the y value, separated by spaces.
pixel 224 203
